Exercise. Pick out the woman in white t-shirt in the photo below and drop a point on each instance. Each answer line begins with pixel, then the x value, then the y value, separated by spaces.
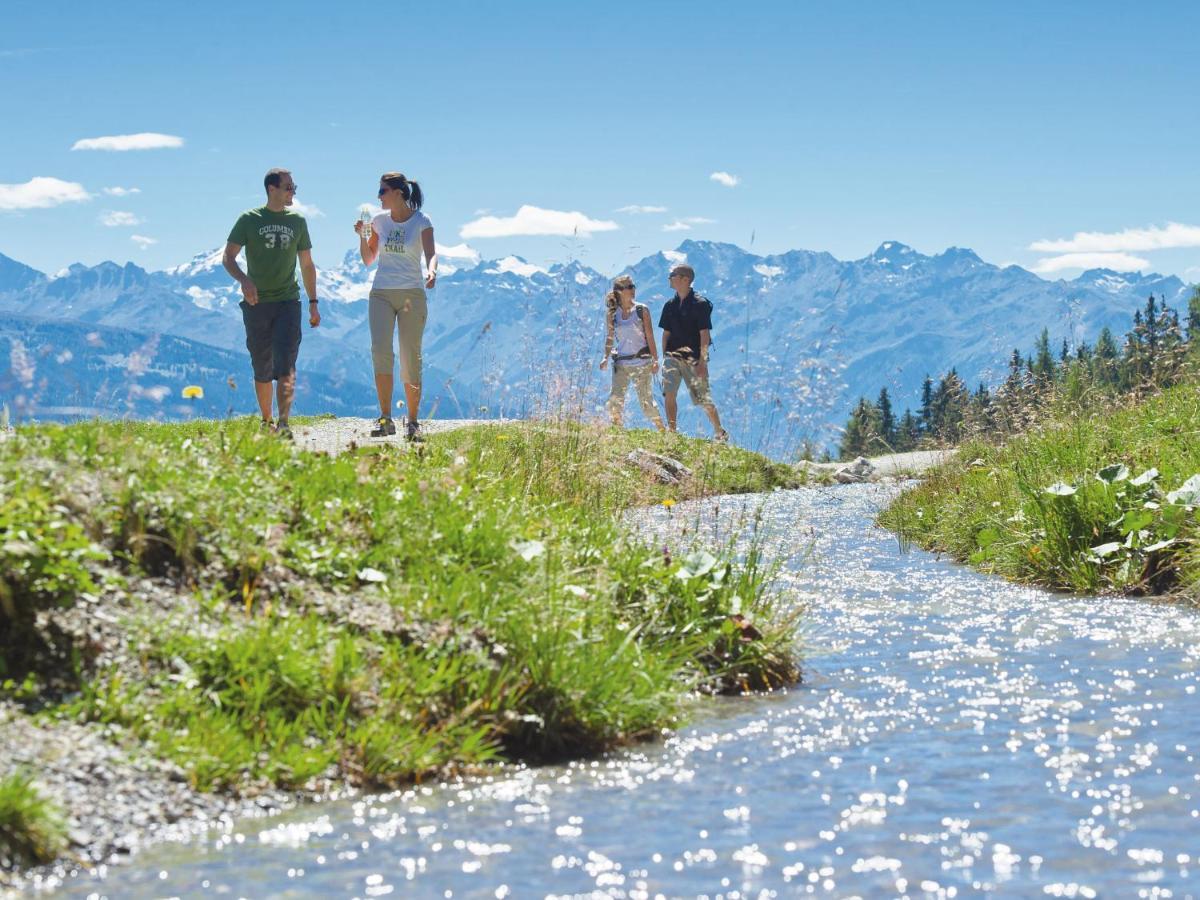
pixel 397 239
pixel 630 344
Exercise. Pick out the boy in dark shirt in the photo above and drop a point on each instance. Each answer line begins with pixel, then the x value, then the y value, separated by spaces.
pixel 686 322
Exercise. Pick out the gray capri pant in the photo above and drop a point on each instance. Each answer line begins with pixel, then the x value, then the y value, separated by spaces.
pixel 384 307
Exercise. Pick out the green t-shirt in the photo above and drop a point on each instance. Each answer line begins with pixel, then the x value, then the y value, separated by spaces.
pixel 272 240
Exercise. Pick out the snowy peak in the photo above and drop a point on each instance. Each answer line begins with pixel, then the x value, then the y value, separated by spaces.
pixel 200 264
pixel 893 252
pixel 959 254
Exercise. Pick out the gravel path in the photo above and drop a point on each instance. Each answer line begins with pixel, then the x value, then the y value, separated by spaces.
pixel 334 436
pixel 892 465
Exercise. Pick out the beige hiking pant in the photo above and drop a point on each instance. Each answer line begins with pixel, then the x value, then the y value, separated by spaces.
pixel 643 383
pixel 386 306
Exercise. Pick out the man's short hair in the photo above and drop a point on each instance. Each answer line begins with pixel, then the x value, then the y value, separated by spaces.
pixel 273 177
pixel 683 269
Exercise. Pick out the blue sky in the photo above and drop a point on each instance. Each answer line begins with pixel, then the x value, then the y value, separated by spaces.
pixel 1008 128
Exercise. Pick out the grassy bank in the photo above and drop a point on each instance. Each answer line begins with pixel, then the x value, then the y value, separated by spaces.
pixel 1104 500
pixel 301 621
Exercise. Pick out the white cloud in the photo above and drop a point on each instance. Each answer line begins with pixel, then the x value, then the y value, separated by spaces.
pixel 725 178
pixel 116 219
pixel 121 191
pixel 675 256
pixel 686 223
pixel 1118 262
pixel 309 212
pixel 1132 240
pixel 636 210
pixel 143 241
pixel 463 252
pixel 146 140
pixel 41 193
pixel 535 221
pixel 1192 272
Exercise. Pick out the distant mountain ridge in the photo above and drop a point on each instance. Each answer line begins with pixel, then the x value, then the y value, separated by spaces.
pixel 798 336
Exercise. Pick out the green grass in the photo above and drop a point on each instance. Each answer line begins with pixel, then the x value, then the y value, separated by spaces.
pixel 31 828
pixel 1098 502
pixel 379 616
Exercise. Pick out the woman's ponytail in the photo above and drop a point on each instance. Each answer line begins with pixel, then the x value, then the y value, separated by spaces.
pixel 409 190
pixel 415 198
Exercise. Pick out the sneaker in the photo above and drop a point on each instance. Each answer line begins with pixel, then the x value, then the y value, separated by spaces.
pixel 722 437
pixel 266 426
pixel 413 432
pixel 384 426
pixel 283 432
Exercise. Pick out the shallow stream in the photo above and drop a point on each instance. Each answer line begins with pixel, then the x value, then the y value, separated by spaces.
pixel 954 736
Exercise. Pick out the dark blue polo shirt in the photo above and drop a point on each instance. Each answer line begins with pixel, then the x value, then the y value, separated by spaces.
pixel 683 320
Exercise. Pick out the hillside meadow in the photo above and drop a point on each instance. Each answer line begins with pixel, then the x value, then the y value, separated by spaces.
pixel 263 618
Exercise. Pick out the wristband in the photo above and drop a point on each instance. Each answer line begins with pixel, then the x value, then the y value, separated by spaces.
pixel 312 300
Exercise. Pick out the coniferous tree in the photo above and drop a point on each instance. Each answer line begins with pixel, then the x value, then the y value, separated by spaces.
pixel 1043 365
pixel 927 405
pixel 1106 360
pixel 887 421
pixel 908 432
pixel 862 431
pixel 1193 316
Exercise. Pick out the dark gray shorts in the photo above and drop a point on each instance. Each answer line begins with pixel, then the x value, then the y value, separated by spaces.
pixel 272 337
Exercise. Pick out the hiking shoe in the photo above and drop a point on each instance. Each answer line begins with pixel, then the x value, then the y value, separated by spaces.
pixel 384 426
pixel 283 432
pixel 413 432
pixel 722 437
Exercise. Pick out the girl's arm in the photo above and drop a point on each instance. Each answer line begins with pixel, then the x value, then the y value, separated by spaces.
pixel 649 330
pixel 609 318
pixel 430 256
pixel 368 250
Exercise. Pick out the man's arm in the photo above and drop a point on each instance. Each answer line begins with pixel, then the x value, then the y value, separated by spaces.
pixel 308 271
pixel 649 330
pixel 229 261
pixel 702 362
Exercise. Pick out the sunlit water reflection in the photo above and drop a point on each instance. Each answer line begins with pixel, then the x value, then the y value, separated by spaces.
pixel 954 735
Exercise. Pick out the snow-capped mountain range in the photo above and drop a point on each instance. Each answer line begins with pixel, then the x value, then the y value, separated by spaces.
pixel 798 336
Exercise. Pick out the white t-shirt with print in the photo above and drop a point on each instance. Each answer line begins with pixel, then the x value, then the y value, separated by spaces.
pixel 400 250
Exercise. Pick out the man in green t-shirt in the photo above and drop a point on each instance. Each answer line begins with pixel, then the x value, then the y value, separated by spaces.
pixel 275 238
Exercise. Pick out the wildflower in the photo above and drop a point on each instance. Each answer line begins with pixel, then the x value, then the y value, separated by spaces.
pixel 193 392
pixel 668 503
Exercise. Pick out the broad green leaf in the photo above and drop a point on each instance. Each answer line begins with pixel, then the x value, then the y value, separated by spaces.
pixel 1145 478
pixel 1106 549
pixel 1060 489
pixel 529 550
pixel 1114 473
pixel 987 537
pixel 1187 494
pixel 696 564
pixel 1136 519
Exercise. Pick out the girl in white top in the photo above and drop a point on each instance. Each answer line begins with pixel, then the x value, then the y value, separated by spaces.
pixel 630 344
pixel 397 239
